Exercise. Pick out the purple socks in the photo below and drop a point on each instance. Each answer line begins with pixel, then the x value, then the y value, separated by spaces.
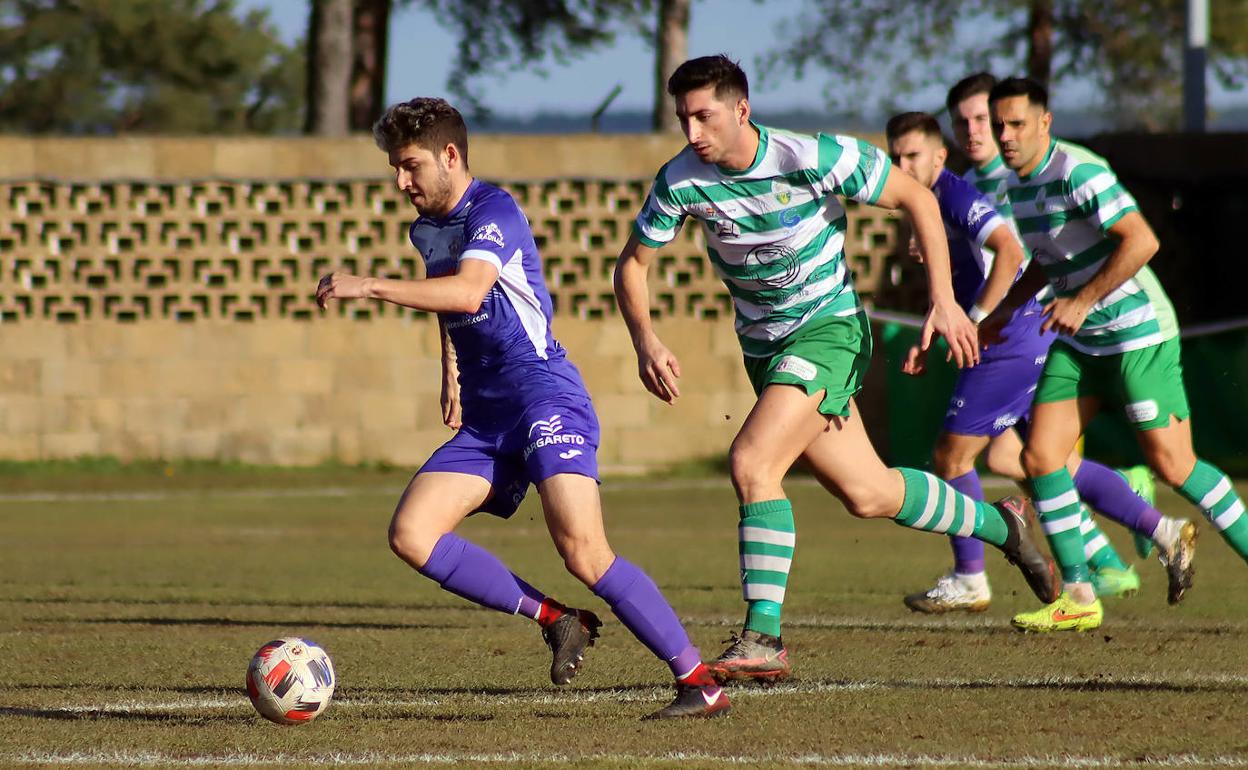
pixel 477 575
pixel 474 573
pixel 968 553
pixel 637 602
pixel 1108 492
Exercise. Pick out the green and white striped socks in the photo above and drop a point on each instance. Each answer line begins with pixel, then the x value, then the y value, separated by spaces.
pixel 766 539
pixel 1097 550
pixel 1061 515
pixel 1211 491
pixel 932 505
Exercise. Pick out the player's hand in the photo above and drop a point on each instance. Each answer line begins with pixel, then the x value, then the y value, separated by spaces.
pixel 659 370
pixel 916 361
pixel 340 286
pixel 1065 315
pixel 452 410
pixel 992 330
pixel 949 320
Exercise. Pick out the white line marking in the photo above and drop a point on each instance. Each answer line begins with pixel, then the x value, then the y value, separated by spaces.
pixel 151 758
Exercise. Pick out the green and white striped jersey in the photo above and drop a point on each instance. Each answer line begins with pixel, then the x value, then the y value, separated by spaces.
pixel 1063 211
pixel 992 180
pixel 775 232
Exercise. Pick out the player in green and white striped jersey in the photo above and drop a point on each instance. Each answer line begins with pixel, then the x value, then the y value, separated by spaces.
pixel 1085 230
pixel 767 201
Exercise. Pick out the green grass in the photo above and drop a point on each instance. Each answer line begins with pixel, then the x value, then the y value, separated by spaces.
pixel 126 624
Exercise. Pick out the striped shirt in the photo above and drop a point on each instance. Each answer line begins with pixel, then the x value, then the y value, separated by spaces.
pixel 1063 211
pixel 775 232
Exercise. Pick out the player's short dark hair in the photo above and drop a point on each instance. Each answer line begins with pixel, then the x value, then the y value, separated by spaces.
pixel 979 83
pixel 425 121
pixel 718 70
pixel 903 123
pixel 1036 93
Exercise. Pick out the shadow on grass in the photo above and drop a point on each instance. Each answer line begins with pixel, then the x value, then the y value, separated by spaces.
pixel 231 622
pixel 165 717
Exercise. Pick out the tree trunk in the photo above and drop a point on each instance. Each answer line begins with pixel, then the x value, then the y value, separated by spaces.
pixel 368 71
pixel 1040 41
pixel 671 48
pixel 329 67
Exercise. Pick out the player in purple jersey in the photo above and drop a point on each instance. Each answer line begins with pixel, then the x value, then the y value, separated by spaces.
pixel 523 413
pixel 990 400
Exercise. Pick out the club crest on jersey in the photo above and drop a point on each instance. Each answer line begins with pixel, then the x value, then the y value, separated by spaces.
pixel 550 433
pixel 491 233
pixel 782 191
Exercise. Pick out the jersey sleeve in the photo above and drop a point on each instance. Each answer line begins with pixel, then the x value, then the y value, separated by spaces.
pixel 660 218
pixel 494 230
pixel 1097 195
pixel 852 168
pixel 970 212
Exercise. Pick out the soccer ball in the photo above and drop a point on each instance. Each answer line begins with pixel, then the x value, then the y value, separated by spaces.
pixel 290 681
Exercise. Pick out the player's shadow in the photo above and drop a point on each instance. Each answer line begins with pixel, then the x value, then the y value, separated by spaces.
pixel 239 602
pixel 269 623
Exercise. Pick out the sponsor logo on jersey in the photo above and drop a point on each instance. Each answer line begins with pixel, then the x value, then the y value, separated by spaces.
pixel 782 258
pixel 790 218
pixel 490 232
pixel 1006 420
pixel 550 433
pixel 782 191
pixel 979 210
pixel 798 367
pixel 1142 411
pixel 726 228
pixel 471 320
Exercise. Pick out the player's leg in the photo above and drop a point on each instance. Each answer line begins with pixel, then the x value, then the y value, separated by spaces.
pixel 965 587
pixel 845 463
pixel 1156 402
pixel 574 516
pixel 463 476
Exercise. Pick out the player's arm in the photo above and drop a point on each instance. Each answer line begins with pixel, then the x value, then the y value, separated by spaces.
pixel 1008 257
pixel 656 365
pixel 452 411
pixel 1136 246
pixel 462 292
pixel 945 316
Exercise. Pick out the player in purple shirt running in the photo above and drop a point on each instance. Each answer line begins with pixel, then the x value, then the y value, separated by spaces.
pixel 526 415
pixel 990 400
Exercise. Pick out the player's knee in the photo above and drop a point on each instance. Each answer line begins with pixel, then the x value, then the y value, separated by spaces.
pixel 751 470
pixel 411 544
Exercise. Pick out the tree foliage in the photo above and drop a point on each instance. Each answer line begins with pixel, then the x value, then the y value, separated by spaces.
pixel 499 36
pixel 167 66
pixel 1130 50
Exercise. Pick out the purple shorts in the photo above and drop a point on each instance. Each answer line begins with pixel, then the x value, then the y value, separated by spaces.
pixel 995 395
pixel 559 435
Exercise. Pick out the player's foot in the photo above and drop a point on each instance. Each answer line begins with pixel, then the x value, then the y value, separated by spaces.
pixel 953 593
pixel 694 701
pixel 568 637
pixel 1140 478
pixel 1176 551
pixel 752 656
pixel 1062 615
pixel 1021 550
pixel 1119 583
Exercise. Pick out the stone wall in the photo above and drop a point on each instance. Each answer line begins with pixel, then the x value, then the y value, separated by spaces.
pixel 156 300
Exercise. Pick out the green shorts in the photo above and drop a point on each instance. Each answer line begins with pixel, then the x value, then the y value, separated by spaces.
pixel 829 355
pixel 1147 383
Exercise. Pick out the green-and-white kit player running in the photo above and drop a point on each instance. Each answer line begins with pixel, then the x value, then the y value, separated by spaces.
pixel 1085 231
pixel 775 227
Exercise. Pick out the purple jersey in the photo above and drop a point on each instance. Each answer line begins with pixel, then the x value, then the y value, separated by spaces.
pixel 508 359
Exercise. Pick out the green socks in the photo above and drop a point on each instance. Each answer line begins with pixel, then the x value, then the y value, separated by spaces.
pixel 765 541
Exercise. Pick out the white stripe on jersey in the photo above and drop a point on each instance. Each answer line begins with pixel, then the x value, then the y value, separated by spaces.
pixel 515 285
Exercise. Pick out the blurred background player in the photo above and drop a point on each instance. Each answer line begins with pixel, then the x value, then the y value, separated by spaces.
pixel 992 398
pixel 1087 234
pixel 526 416
pixel 768 204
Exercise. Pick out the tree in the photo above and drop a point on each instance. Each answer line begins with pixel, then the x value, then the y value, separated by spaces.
pixel 170 66
pixel 1131 50
pixel 329 68
pixel 370 35
pixel 671 47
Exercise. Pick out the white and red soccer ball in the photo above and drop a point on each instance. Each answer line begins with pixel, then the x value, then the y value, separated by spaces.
pixel 290 681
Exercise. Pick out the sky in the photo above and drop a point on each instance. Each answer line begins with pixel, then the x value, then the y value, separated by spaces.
pixel 422 54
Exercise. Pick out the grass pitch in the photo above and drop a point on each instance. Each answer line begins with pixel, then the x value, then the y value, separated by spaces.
pixel 127 619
